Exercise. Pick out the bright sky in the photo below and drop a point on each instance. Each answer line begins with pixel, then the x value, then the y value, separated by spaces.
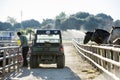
pixel 42 9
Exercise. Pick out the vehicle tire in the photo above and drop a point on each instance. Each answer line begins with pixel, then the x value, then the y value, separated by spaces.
pixel 34 62
pixel 61 61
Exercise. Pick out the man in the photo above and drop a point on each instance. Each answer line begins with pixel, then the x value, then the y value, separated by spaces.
pixel 25 48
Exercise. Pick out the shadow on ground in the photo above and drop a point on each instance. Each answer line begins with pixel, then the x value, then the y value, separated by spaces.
pixel 47 73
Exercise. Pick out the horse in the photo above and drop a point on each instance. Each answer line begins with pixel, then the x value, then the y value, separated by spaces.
pixel 100 36
pixel 114 37
pixel 87 37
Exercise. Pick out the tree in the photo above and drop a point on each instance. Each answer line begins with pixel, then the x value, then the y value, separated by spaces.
pixel 58 24
pixel 81 15
pixel 62 15
pixel 11 20
pixel 46 22
pixel 5 26
pixel 117 23
pixel 104 16
pixel 30 24
pixel 22 31
pixel 29 31
pixel 17 26
pixel 71 23
pixel 91 23
pixel 106 21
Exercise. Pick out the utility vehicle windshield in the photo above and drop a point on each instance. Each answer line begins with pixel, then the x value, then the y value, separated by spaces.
pixel 50 38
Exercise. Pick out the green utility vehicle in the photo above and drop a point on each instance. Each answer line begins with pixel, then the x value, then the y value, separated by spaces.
pixel 47 48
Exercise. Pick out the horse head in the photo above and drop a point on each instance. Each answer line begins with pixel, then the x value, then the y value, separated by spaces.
pixel 87 37
pixel 114 34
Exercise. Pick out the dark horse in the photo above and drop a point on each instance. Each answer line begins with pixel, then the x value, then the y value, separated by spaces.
pixel 99 36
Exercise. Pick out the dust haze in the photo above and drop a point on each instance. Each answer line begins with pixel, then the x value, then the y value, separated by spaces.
pixel 73 34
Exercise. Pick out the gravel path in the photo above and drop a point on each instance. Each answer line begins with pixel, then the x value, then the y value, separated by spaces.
pixel 75 69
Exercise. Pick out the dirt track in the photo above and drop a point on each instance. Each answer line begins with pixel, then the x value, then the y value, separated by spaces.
pixel 75 69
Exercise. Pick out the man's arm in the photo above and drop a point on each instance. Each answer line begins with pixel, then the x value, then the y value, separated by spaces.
pixel 22 41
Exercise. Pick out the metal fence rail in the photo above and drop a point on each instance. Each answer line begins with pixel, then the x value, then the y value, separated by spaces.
pixel 9 60
pixel 105 58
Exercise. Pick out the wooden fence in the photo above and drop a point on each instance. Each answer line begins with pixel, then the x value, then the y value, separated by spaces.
pixel 105 58
pixel 10 60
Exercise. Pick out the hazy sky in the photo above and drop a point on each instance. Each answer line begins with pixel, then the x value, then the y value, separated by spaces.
pixel 42 9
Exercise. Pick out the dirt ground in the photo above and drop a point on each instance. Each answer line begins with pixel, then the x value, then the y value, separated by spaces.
pixel 80 66
pixel 76 68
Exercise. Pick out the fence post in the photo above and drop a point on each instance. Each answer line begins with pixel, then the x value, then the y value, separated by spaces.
pixel 17 60
pixel 9 60
pixel 108 55
pixel 116 57
pixel 4 62
pixel 99 60
pixel 104 55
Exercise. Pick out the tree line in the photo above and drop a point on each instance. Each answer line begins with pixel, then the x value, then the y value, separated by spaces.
pixel 78 21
